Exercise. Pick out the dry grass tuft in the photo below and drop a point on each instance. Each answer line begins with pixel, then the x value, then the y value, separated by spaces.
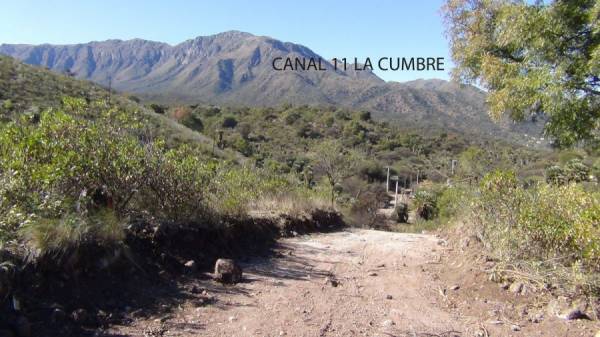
pixel 292 205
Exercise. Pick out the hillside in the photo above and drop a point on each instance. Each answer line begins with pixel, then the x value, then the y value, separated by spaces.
pixel 30 90
pixel 236 68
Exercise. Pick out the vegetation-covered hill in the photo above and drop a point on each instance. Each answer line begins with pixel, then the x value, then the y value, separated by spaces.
pixel 235 68
pixel 285 138
pixel 29 90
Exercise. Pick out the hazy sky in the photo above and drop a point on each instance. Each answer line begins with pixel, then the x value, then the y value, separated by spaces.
pixel 384 28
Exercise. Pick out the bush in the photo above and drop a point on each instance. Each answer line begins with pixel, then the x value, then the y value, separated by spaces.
pixel 372 171
pixel 80 173
pixel 454 201
pixel 541 223
pixel 159 109
pixel 65 171
pixel 401 213
pixel 425 204
pixel 573 171
pixel 364 210
pixel 229 122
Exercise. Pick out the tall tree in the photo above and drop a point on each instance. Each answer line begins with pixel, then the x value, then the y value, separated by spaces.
pixel 334 162
pixel 532 57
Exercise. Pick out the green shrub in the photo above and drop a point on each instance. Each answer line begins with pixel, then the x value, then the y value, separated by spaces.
pixel 562 222
pixel 372 171
pixel 79 173
pixel 573 171
pixel 229 122
pixel 401 213
pixel 159 109
pixel 543 222
pixel 454 201
pixel 425 204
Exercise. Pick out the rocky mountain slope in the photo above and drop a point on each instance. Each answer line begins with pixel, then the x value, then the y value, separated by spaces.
pixel 235 68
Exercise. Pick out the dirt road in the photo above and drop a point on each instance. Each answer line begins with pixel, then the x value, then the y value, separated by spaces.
pixel 353 283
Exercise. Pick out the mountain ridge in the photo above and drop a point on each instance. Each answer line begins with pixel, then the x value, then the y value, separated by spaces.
pixel 234 68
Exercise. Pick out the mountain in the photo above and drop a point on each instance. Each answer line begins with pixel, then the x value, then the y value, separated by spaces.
pixel 235 68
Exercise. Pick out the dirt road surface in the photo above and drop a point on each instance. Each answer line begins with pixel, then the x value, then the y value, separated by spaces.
pixel 351 283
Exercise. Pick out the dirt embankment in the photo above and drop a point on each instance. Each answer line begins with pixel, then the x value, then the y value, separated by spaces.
pixel 83 290
pixel 345 283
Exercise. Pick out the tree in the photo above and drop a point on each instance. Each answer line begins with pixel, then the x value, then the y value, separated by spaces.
pixel 334 162
pixel 473 163
pixel 542 57
pixel 159 109
pixel 244 129
pixel 229 122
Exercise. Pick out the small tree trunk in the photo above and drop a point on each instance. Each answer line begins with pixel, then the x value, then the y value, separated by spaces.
pixel 332 195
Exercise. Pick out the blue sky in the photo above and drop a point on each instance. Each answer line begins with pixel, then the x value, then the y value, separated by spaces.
pixel 379 28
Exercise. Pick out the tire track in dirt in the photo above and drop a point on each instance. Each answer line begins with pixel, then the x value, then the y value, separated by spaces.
pixel 351 283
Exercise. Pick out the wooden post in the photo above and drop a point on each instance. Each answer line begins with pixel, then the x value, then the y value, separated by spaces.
pixel 417 177
pixel 387 184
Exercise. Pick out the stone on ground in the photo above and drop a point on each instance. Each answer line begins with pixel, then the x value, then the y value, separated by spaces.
pixel 227 271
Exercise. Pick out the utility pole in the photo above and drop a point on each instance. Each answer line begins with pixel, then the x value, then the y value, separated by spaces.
pixel 396 195
pixel 453 165
pixel 387 184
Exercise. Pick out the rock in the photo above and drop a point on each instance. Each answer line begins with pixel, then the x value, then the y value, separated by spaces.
pixel 574 313
pixel 388 323
pixel 331 281
pixel 556 306
pixel 560 307
pixel 58 315
pixel 597 334
pixel 103 315
pixel 515 327
pixel 389 297
pixel 232 319
pixel 80 316
pixel 16 303
pixel 536 317
pixel 227 271
pixel 23 327
pixel 481 333
pixel 442 242
pixel 190 265
pixel 516 287
pixel 455 287
pixel 373 274
pixel 465 242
